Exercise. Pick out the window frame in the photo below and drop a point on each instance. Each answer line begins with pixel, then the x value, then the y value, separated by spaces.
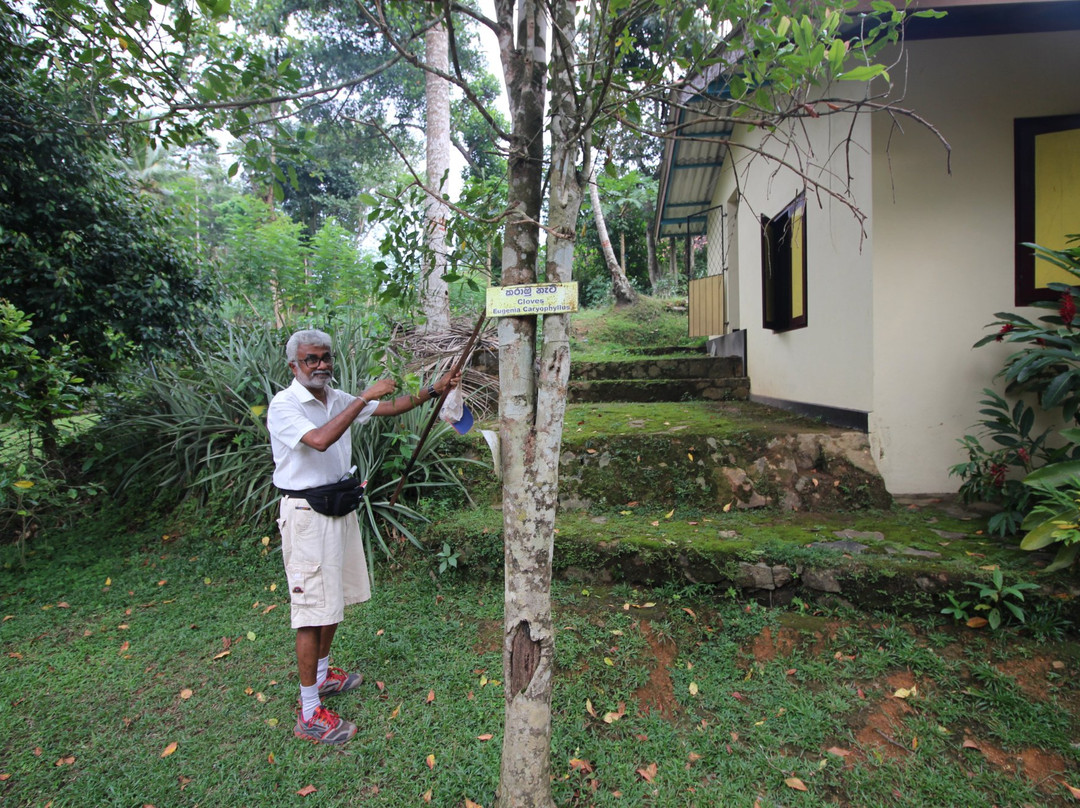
pixel 1025 132
pixel 776 249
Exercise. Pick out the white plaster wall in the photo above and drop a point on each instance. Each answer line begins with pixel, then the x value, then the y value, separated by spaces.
pixel 829 362
pixel 943 243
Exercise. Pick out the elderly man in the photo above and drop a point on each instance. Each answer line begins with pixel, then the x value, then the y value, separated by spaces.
pixel 310 424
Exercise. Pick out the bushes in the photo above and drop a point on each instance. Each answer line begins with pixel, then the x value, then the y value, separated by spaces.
pixel 201 427
pixel 1045 365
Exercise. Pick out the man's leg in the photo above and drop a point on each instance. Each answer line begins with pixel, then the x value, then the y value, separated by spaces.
pixel 308 646
pixel 315 723
pixel 332 680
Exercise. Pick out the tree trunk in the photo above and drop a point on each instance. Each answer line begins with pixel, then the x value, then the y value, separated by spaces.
pixel 621 289
pixel 529 490
pixel 654 264
pixel 434 293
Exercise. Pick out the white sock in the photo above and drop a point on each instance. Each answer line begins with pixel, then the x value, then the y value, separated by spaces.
pixel 322 670
pixel 309 701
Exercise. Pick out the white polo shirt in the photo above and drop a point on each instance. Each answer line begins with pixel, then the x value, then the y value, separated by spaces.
pixel 292 414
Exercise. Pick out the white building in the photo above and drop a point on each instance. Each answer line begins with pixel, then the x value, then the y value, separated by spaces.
pixel 872 324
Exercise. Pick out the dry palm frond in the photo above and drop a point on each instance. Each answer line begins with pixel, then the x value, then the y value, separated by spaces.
pixel 435 353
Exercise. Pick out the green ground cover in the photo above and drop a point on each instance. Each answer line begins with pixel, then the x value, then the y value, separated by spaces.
pixel 119 642
pixel 146 659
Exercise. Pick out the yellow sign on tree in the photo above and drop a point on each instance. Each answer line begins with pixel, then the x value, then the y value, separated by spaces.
pixel 532 298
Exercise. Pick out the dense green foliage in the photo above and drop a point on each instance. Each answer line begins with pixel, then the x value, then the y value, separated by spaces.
pixel 89 260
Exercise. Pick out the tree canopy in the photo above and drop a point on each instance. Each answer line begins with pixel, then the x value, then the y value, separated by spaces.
pixel 87 257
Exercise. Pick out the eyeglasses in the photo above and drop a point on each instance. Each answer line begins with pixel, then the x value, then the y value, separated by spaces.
pixel 311 361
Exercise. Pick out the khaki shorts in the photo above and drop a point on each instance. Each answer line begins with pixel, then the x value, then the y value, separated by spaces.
pixel 324 563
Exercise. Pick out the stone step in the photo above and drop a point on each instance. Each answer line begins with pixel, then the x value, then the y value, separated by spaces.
pixel 665 389
pixel 689 367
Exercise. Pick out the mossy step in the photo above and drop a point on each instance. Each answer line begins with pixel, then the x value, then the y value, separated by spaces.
pixel 655 390
pixel 912 556
pixel 702 454
pixel 689 367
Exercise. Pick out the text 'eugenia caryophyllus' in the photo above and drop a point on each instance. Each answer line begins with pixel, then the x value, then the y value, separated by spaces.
pixel 1067 310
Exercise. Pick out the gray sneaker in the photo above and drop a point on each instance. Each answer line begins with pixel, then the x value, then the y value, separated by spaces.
pixel 325 726
pixel 338 681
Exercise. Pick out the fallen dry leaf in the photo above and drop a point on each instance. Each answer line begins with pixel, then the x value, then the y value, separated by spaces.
pixel 904 693
pixel 969 743
pixel 470 804
pixel 186 693
pixel 4 776
pixel 1074 791
pixel 487 736
pixel 977 622
pixel 648 773
pixel 427 796
pixel 836 750
pixel 66 761
pixel 693 688
pixel 579 765
pixel 795 783
pixel 222 654
pixel 430 760
pixel 694 757
pixel 430 697
pixel 611 717
pixel 589 708
pixel 270 758
pixel 168 750
pixel 307 791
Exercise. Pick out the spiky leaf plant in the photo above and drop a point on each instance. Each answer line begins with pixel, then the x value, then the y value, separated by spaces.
pixel 200 427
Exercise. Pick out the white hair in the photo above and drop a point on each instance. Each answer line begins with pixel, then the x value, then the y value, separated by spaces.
pixel 309 336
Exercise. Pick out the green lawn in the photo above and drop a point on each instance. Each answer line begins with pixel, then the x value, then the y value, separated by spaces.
pixel 119 642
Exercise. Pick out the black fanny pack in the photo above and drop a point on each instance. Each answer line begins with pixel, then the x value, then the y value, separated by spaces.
pixel 335 499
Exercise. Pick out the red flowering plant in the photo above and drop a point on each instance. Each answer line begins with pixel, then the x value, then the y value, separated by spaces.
pixel 1048 360
pixel 1016 472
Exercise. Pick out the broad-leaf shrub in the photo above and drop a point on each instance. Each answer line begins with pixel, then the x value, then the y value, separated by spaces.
pixel 1045 365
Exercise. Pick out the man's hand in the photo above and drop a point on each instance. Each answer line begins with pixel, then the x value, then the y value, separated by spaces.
pixel 447 382
pixel 381 389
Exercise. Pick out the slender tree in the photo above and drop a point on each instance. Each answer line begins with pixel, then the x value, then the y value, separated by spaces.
pixel 624 293
pixel 434 291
